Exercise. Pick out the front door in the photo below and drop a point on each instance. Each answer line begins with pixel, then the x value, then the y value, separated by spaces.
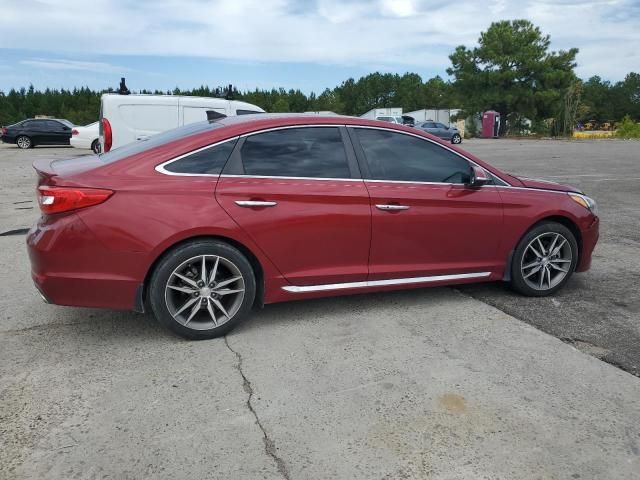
pixel 295 191
pixel 57 133
pixel 425 220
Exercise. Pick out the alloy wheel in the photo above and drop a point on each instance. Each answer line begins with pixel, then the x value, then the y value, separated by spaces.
pixel 546 261
pixel 204 292
pixel 23 142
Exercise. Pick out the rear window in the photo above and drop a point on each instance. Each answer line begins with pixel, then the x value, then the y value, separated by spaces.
pixel 208 161
pixel 157 140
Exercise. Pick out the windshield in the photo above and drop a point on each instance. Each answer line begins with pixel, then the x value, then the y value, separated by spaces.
pixel 157 140
pixel 66 122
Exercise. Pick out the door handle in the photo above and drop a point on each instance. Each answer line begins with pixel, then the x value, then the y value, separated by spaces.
pixel 255 203
pixel 142 138
pixel 392 207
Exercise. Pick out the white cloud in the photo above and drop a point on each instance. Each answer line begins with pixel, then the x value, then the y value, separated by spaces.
pixel 63 64
pixel 412 33
pixel 399 8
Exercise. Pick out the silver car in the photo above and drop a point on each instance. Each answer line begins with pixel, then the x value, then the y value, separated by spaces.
pixel 441 130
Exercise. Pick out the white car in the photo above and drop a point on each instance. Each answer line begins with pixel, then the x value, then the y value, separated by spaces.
pixel 86 137
pixel 129 118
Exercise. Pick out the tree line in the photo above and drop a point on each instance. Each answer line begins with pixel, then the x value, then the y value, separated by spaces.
pixel 511 70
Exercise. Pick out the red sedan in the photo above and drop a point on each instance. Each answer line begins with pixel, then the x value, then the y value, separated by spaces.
pixel 201 223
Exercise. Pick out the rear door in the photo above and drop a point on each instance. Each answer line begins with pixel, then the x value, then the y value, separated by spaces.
pixel 425 220
pixel 296 191
pixel 38 131
pixel 430 127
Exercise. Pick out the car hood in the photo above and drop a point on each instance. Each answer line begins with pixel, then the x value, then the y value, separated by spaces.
pixel 545 184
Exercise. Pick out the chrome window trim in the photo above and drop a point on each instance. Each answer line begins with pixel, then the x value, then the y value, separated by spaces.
pixel 160 168
pixel 275 177
pixel 382 283
pixel 286 127
pixel 418 183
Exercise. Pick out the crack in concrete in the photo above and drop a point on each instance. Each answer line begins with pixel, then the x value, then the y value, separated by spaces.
pixel 269 444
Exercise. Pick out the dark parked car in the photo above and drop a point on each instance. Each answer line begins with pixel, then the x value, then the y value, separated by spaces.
pixel 38 131
pixel 441 130
pixel 200 223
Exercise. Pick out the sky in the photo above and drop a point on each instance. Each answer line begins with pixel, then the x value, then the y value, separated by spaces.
pixel 306 44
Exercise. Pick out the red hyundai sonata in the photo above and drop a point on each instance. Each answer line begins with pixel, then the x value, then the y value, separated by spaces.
pixel 203 222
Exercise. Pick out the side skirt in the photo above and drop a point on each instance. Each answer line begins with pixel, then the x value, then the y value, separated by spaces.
pixel 382 283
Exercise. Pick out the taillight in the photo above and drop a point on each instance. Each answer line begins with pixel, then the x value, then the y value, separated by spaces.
pixel 74 132
pixel 106 132
pixel 4 131
pixel 64 199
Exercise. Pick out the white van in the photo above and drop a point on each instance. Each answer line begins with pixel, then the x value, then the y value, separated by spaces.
pixel 129 118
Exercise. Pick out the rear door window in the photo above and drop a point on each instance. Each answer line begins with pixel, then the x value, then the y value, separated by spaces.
pixel 246 112
pixel 316 152
pixel 198 114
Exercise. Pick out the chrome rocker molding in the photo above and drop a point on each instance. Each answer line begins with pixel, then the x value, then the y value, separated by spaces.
pixel 383 283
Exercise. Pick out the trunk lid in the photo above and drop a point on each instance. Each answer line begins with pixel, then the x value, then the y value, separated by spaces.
pixel 60 171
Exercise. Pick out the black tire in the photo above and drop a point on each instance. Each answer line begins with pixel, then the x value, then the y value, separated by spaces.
pixel 95 146
pixel 164 273
pixel 456 139
pixel 547 230
pixel 24 142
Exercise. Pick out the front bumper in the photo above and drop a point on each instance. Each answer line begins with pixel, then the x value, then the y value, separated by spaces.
pixel 590 236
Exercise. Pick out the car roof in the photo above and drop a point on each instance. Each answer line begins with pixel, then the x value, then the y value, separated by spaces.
pixel 268 120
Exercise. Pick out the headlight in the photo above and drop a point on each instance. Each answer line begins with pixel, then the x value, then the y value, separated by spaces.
pixel 587 202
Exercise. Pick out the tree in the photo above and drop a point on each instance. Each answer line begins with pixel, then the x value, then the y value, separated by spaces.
pixel 280 105
pixel 513 72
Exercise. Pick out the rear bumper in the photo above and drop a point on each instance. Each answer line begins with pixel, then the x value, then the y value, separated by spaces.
pixel 590 236
pixel 80 142
pixel 7 139
pixel 70 267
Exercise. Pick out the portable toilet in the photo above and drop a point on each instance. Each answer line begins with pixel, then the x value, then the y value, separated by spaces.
pixel 490 124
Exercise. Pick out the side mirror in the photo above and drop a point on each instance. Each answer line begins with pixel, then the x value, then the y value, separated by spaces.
pixel 478 177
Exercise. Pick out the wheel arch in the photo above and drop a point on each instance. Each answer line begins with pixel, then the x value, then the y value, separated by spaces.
pixel 562 220
pixel 142 295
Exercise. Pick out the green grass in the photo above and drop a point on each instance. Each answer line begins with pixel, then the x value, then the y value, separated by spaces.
pixel 628 128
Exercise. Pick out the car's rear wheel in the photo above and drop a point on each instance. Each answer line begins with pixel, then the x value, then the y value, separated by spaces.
pixel 544 260
pixel 95 146
pixel 24 142
pixel 202 289
pixel 456 138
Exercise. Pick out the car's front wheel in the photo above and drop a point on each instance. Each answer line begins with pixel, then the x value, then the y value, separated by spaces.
pixel 24 142
pixel 202 289
pixel 544 260
pixel 456 138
